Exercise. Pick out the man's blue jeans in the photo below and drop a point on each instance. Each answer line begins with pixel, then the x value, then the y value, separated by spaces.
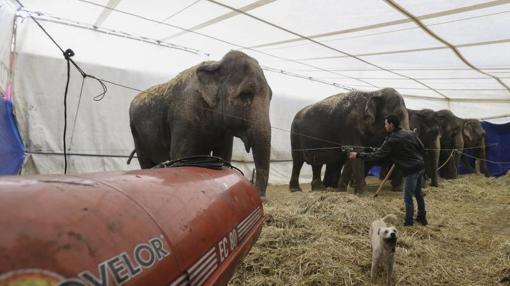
pixel 413 188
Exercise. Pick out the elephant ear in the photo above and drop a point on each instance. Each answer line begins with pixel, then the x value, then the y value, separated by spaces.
pixel 371 107
pixel 208 75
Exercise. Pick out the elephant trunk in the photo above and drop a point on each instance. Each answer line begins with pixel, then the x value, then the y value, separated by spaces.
pixel 482 154
pixel 434 161
pixel 458 143
pixel 404 123
pixel 260 140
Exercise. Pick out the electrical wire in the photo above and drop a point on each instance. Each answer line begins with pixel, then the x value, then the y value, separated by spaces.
pixel 326 46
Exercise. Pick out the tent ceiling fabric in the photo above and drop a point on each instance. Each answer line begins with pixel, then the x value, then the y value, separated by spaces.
pixel 374 31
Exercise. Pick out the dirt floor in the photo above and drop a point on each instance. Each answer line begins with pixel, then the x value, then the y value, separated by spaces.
pixel 321 238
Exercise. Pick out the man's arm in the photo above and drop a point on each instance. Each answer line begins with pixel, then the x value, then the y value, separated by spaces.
pixel 381 153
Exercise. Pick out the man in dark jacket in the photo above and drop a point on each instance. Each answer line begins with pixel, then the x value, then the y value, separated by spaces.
pixel 406 150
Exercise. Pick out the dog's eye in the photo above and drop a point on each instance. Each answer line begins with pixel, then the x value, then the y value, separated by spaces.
pixel 385 231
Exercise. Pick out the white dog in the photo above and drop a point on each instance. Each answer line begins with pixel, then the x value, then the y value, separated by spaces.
pixel 383 238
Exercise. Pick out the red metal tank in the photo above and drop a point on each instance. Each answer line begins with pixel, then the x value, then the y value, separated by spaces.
pixel 170 226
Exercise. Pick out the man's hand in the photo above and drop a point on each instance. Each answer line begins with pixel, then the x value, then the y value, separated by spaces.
pixel 352 155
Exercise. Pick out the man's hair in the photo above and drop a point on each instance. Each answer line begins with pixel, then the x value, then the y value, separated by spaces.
pixel 393 119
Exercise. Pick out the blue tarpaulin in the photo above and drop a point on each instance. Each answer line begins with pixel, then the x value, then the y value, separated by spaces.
pixel 497 138
pixel 12 151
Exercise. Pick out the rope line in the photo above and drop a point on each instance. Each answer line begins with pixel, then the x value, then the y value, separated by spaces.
pixel 338 144
pixel 482 159
pixel 228 43
pixel 444 164
pixel 77 109
pixel 327 47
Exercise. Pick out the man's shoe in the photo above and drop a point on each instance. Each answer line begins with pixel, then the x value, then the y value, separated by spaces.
pixel 408 224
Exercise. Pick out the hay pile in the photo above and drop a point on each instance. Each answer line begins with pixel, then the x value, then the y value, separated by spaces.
pixel 321 238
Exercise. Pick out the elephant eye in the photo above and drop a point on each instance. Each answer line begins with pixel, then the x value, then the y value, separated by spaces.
pixel 246 95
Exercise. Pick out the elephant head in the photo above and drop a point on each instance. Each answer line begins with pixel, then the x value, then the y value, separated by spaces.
pixel 235 87
pixel 452 143
pixel 427 126
pixel 380 104
pixel 474 137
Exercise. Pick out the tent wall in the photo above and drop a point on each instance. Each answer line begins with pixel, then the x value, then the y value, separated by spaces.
pixel 101 128
pixel 7 21
pixel 98 134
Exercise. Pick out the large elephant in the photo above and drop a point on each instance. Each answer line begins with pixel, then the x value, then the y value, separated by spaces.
pixel 452 143
pixel 354 119
pixel 426 124
pixel 201 110
pixel 474 138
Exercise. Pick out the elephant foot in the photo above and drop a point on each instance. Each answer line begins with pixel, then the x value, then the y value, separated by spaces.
pixel 317 186
pixel 396 188
pixel 341 189
pixel 359 191
pixel 327 185
pixel 434 184
pixel 295 189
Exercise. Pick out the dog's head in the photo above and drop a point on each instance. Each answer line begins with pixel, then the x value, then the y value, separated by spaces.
pixel 389 237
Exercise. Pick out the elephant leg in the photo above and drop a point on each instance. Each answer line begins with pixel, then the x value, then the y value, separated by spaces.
pixel 358 176
pixel 468 165
pixel 483 168
pixel 223 148
pixel 442 162
pixel 434 162
pixel 297 164
pixel 448 170
pixel 145 163
pixel 183 145
pixel 396 180
pixel 332 174
pixel 385 168
pixel 345 177
pixel 459 145
pixel 316 181
pixel 482 154
pixel 143 158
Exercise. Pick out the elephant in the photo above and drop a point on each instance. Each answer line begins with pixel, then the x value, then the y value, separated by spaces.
pixel 347 119
pixel 426 124
pixel 452 143
pixel 474 138
pixel 200 111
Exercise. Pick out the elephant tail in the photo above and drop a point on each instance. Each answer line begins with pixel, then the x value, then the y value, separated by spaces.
pixel 131 156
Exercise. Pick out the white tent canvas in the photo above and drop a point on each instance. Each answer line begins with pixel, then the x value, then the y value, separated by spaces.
pixel 308 49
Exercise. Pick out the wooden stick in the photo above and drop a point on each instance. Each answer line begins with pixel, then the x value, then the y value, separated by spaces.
pixel 385 179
